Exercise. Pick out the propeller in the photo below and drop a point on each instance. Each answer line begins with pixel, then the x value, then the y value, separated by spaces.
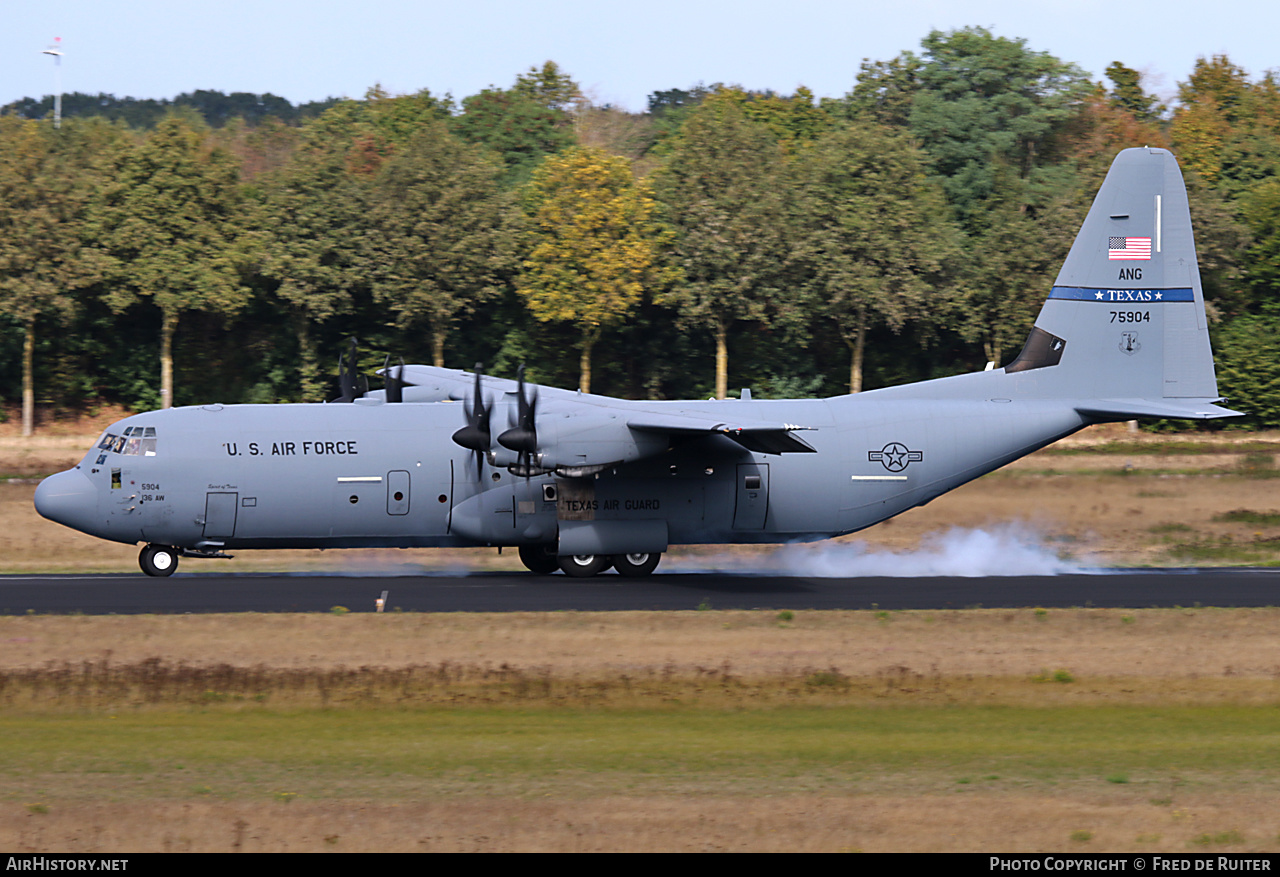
pixel 523 436
pixel 395 382
pixel 350 382
pixel 475 435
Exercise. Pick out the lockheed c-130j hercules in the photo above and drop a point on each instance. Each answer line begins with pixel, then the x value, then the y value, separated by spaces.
pixel 582 482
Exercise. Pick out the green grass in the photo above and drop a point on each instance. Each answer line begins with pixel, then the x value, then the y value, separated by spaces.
pixel 1226 551
pixel 386 752
pixel 1170 527
pixel 1164 448
pixel 1222 838
pixel 1121 472
pixel 1258 465
pixel 1249 516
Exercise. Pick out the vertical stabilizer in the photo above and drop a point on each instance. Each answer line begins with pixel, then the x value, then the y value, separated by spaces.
pixel 1124 326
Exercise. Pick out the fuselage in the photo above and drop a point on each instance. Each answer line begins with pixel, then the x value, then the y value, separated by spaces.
pixel 373 474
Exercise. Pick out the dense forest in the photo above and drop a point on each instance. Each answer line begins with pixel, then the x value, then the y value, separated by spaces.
pixel 223 247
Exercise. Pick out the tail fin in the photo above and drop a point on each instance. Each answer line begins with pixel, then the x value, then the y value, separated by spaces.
pixel 1124 328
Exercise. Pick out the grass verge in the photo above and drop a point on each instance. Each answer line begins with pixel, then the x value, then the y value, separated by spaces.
pixel 1024 730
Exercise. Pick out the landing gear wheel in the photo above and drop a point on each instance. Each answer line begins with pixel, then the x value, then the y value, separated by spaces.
pixel 635 565
pixel 540 559
pixel 158 560
pixel 582 566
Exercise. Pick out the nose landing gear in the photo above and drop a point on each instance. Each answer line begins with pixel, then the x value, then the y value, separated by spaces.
pixel 158 560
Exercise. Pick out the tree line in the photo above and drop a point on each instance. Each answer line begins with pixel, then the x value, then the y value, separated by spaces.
pixel 909 229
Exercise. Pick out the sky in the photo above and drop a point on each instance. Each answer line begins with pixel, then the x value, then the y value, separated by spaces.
pixel 306 50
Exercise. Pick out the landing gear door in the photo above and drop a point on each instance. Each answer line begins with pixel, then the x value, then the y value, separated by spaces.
pixel 752 503
pixel 220 515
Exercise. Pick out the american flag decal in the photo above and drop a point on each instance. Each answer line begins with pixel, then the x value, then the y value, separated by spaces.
pixel 1128 248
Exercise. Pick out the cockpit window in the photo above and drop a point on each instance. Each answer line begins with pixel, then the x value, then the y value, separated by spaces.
pixel 137 441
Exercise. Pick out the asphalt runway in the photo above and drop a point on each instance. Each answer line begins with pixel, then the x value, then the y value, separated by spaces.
pixel 502 592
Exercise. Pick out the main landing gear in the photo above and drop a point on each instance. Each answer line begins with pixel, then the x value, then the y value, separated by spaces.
pixel 158 560
pixel 539 558
pixel 584 566
pixel 635 565
pixel 542 560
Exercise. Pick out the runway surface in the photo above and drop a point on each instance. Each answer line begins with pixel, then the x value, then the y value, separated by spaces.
pixel 501 592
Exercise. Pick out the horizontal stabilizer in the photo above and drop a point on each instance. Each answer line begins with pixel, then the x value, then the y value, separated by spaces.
pixel 1131 409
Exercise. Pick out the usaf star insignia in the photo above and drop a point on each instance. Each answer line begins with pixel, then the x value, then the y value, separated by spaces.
pixel 895 456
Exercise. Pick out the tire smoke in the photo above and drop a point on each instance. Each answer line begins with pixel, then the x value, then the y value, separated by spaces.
pixel 1005 550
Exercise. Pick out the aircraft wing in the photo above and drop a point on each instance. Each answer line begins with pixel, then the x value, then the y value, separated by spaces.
pixel 576 438
pixel 763 438
pixel 427 383
pixel 576 433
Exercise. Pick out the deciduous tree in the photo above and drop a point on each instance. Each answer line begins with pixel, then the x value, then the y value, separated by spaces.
pixel 595 245
pixel 875 238
pixel 525 123
pixel 45 182
pixel 721 189
pixel 440 239
pixel 305 244
pixel 169 225
pixel 986 105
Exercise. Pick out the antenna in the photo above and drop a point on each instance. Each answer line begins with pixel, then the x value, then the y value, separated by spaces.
pixel 56 51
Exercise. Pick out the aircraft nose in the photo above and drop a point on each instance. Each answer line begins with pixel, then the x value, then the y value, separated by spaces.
pixel 68 498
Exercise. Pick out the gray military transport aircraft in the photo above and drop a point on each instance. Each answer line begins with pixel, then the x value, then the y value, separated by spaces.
pixel 581 482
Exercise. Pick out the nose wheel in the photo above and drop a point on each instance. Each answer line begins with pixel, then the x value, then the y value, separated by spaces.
pixel 158 560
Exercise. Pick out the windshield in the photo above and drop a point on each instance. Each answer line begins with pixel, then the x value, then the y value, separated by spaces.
pixel 135 441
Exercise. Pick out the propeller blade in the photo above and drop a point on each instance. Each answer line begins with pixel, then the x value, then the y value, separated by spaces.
pixel 523 437
pixel 475 435
pixel 395 382
pixel 348 386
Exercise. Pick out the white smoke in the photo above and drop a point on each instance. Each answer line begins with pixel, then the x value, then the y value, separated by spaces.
pixel 1014 549
pixel 1004 550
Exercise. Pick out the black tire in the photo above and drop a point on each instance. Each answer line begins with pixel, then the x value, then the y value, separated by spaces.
pixel 158 560
pixel 539 559
pixel 582 566
pixel 636 565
